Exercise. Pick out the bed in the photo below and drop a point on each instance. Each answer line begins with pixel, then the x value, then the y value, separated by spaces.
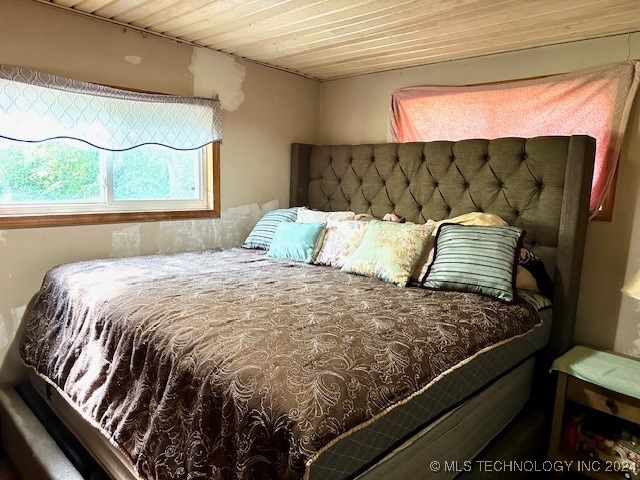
pixel 252 367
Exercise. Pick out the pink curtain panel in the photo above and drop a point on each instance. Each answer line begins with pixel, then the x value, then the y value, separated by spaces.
pixel 593 102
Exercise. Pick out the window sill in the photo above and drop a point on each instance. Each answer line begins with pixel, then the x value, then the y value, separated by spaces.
pixel 35 221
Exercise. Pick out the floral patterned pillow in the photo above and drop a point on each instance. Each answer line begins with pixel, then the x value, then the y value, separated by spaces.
pixel 340 241
pixel 389 251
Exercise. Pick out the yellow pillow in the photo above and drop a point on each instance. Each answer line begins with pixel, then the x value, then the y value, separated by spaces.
pixel 525 281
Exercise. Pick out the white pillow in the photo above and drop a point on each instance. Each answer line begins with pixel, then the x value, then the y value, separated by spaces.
pixel 306 215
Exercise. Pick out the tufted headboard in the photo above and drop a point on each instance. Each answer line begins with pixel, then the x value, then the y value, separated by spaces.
pixel 539 184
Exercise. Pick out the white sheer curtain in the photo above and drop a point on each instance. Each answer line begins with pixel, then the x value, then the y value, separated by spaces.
pixel 37 106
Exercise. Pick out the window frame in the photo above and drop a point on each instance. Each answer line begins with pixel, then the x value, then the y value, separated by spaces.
pixel 212 196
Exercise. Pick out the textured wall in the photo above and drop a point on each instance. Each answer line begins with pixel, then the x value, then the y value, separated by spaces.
pixel 265 110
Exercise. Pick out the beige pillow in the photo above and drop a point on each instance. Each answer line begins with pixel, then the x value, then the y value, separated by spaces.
pixel 525 281
pixel 306 215
pixel 426 258
pixel 476 219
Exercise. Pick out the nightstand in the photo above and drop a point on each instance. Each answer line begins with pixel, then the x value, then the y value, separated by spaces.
pixel 593 384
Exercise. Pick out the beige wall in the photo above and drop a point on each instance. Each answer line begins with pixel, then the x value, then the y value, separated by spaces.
pixel 355 110
pixel 278 109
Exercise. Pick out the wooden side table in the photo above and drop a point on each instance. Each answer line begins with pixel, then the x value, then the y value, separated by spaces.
pixel 604 382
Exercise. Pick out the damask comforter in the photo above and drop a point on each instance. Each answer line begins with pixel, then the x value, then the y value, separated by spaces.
pixel 233 365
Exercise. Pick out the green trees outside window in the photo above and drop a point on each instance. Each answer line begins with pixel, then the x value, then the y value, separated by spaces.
pixel 68 171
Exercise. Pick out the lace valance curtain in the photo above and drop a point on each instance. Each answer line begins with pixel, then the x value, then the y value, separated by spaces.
pixel 37 106
pixel 594 102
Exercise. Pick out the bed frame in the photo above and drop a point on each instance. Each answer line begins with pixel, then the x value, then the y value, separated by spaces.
pixel 540 184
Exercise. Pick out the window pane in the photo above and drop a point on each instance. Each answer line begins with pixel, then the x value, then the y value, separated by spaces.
pixel 154 172
pixel 52 171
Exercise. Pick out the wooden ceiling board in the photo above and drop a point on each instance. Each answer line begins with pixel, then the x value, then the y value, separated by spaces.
pixel 399 52
pixel 90 6
pixel 328 39
pixel 371 15
pixel 388 37
pixel 119 7
pixel 296 37
pixel 255 21
pixel 199 21
pixel 417 23
pixel 150 16
pixel 453 37
pixel 301 27
pixel 68 3
pixel 403 57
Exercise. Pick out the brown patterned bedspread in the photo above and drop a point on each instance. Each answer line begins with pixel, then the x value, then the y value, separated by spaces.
pixel 221 365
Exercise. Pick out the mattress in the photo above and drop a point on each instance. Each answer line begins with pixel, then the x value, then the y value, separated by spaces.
pixel 357 452
pixel 460 434
pixel 230 364
pixel 476 421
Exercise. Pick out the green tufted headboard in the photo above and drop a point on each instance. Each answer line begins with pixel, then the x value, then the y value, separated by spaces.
pixel 539 184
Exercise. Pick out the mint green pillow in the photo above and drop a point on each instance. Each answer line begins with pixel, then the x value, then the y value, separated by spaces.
pixel 296 241
pixel 389 251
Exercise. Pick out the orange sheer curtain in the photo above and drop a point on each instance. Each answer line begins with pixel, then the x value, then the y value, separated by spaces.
pixel 594 102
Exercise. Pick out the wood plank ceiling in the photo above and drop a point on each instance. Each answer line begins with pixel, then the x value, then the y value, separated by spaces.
pixel 328 39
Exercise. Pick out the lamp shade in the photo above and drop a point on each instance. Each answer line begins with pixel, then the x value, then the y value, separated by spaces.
pixel 632 287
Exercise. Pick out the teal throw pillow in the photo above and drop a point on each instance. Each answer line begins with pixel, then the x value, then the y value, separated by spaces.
pixel 296 241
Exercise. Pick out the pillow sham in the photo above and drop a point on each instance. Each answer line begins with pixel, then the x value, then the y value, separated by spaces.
pixel 480 259
pixel 296 241
pixel 472 218
pixel 341 239
pixel 534 265
pixel 306 215
pixel 262 234
pixel 389 251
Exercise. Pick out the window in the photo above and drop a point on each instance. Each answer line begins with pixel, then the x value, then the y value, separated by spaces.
pixel 63 182
pixel 64 176
pixel 77 153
